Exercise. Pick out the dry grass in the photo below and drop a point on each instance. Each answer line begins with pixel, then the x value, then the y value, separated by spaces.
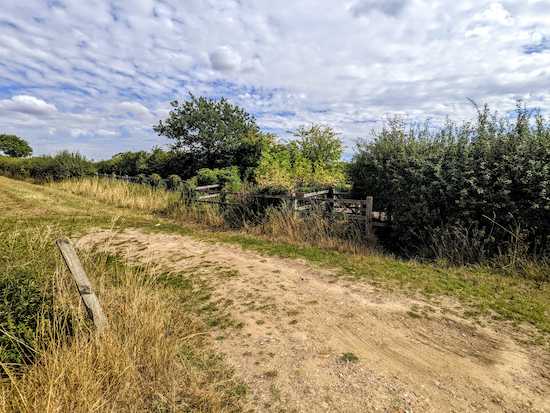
pixel 275 223
pixel 152 356
pixel 119 193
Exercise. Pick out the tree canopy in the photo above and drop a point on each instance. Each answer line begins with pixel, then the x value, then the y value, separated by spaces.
pixel 14 146
pixel 319 144
pixel 213 132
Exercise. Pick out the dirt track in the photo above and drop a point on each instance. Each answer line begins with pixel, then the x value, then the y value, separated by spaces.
pixel 299 321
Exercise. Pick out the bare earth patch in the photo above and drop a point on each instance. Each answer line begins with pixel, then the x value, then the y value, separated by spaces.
pixel 300 321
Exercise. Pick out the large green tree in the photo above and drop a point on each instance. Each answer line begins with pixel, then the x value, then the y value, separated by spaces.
pixel 14 146
pixel 214 132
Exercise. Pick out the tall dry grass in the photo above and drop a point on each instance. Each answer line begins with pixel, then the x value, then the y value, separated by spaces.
pixel 152 357
pixel 120 193
pixel 278 223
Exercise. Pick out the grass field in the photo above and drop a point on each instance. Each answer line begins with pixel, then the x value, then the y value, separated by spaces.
pixel 106 373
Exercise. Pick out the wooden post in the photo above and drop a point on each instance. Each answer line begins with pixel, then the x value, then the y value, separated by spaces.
pixel 294 205
pixel 368 215
pixel 89 298
pixel 330 195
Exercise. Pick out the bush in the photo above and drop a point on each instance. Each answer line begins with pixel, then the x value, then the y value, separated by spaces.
pixel 22 304
pixel 27 262
pixel 174 183
pixel 491 174
pixel 227 178
pixel 156 181
pixel 142 179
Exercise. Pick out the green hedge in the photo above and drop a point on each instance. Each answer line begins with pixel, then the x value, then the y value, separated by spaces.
pixel 431 180
pixel 63 165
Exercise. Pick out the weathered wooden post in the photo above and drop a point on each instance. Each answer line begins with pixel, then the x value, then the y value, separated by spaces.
pixel 294 205
pixel 368 215
pixel 330 195
pixel 89 298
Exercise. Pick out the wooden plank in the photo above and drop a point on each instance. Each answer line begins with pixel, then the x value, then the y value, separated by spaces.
pixel 200 188
pixel 312 194
pixel 89 298
pixel 338 201
pixel 302 208
pixel 329 205
pixel 209 196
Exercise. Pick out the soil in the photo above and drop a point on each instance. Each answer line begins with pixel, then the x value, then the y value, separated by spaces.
pixel 313 342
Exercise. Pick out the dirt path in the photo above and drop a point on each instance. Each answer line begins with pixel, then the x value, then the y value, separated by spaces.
pixel 299 321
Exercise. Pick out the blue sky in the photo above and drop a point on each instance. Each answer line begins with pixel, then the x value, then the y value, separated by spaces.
pixel 95 76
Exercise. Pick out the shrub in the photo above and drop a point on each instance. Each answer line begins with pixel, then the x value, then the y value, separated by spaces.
pixel 227 178
pixel 142 179
pixel 174 183
pixel 156 181
pixel 492 174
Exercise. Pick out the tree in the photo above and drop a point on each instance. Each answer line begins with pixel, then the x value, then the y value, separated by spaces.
pixel 311 161
pixel 14 146
pixel 212 131
pixel 318 143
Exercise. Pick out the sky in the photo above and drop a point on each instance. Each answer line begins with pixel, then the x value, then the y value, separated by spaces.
pixel 95 76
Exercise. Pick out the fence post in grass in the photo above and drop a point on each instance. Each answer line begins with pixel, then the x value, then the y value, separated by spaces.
pixel 89 298
pixel 330 195
pixel 368 215
pixel 294 205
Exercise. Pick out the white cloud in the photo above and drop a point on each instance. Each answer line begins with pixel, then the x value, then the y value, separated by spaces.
pixel 225 59
pixel 28 105
pixel 92 72
pixel 136 109
pixel 104 132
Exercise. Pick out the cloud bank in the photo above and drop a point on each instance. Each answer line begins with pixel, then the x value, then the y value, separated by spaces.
pixel 96 77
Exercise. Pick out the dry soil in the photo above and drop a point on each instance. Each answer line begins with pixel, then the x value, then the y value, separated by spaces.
pixel 300 320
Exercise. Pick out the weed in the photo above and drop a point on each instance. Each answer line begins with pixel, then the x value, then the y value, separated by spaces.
pixel 274 390
pixel 349 358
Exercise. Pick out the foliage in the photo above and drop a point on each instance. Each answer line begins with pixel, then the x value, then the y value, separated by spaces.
pixel 319 144
pixel 489 168
pixel 174 183
pixel 212 132
pixel 14 146
pixel 142 179
pixel 156 181
pixel 312 161
pixel 25 300
pixel 63 165
pixel 227 178
pixel 164 163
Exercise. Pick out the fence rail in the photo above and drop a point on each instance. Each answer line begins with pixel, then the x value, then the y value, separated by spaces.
pixel 325 201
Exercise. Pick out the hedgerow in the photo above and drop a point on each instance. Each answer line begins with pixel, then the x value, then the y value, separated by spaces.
pixel 490 176
pixel 63 165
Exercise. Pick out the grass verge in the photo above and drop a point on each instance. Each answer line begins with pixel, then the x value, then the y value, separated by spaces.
pixel 153 357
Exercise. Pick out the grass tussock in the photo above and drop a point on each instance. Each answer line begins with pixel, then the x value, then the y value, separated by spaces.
pixel 152 357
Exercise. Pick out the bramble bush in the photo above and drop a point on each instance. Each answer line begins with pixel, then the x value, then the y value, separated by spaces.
pixel 490 176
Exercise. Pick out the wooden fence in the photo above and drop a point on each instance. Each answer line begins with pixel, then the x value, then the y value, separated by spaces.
pixel 328 202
